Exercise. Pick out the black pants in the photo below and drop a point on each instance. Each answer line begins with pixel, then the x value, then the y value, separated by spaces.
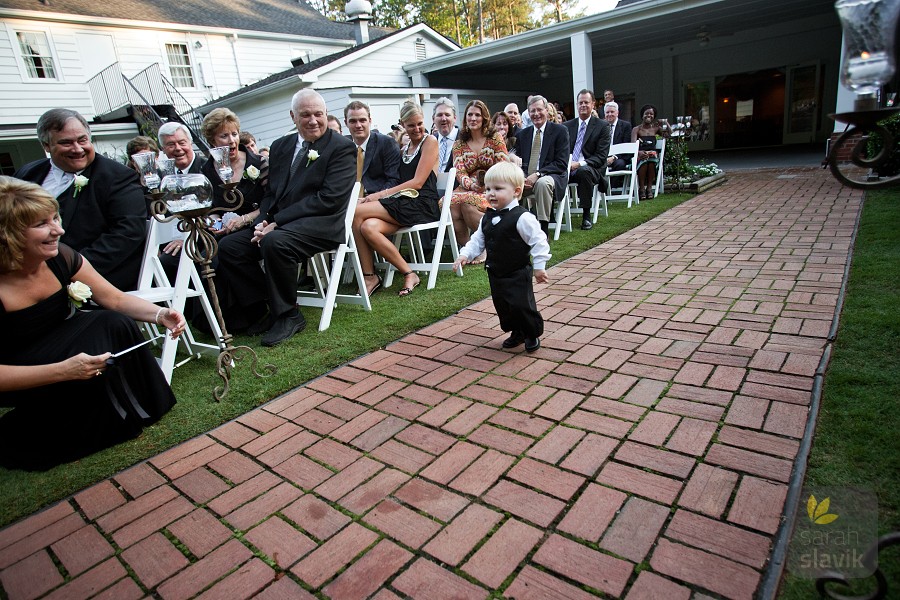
pixel 281 251
pixel 586 181
pixel 513 296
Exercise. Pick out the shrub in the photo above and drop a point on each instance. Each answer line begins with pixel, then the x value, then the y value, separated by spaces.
pixel 876 142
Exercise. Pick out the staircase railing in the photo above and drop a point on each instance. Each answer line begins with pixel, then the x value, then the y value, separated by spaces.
pixel 147 92
pixel 107 91
pixel 151 82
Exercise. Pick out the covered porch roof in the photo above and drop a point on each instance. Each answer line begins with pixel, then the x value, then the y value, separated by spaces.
pixel 610 38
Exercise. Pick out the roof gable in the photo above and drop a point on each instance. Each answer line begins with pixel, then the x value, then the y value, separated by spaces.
pixel 326 63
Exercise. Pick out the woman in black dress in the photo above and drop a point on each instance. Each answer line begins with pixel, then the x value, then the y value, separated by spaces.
pixel 221 127
pixel 380 214
pixel 70 397
pixel 648 161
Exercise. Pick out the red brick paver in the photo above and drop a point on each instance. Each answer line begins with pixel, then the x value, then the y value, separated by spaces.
pixel 643 452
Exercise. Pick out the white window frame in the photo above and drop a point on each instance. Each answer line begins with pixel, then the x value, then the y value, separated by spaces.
pixel 12 32
pixel 192 64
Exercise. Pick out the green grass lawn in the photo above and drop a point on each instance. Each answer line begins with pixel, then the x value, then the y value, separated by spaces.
pixel 353 333
pixel 856 441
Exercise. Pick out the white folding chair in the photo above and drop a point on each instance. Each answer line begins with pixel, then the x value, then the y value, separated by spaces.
pixel 154 286
pixel 327 268
pixel 598 199
pixel 627 191
pixel 563 221
pixel 661 152
pixel 444 231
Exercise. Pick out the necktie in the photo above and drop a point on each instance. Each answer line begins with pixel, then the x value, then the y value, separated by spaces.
pixel 179 171
pixel 579 140
pixel 298 160
pixel 535 151
pixel 360 156
pixel 445 145
pixel 612 134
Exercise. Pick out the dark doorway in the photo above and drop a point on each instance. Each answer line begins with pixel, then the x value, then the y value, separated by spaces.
pixel 750 109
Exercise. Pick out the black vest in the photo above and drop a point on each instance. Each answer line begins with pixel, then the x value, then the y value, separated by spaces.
pixel 506 250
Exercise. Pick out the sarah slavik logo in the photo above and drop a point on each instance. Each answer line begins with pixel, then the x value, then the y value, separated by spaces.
pixel 839 526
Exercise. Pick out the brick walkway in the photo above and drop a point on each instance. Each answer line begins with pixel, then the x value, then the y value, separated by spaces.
pixel 643 452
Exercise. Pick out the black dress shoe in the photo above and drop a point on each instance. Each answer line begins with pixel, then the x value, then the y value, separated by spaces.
pixel 532 344
pixel 586 225
pixel 515 339
pixel 285 326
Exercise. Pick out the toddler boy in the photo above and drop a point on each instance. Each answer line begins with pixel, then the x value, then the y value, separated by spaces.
pixel 515 245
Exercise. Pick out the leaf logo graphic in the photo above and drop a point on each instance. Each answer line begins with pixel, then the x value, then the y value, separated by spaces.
pixel 818 511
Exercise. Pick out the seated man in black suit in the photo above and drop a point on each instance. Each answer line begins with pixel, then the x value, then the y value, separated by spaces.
pixel 101 202
pixel 378 156
pixel 311 174
pixel 177 143
pixel 589 145
pixel 620 133
pixel 544 148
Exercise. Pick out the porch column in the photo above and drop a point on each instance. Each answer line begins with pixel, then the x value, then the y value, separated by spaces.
pixel 582 64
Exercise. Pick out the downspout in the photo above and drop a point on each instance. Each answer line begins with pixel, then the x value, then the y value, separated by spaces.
pixel 232 39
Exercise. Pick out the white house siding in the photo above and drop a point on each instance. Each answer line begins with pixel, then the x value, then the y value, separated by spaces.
pixel 23 100
pixel 379 68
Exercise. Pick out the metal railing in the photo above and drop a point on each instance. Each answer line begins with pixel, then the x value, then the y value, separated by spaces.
pixel 147 91
pixel 107 90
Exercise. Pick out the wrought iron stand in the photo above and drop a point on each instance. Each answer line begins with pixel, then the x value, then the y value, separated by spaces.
pixel 201 246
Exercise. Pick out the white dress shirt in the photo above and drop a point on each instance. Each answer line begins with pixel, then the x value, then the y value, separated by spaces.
pixel 57 181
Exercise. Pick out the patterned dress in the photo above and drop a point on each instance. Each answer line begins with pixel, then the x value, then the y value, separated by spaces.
pixel 470 169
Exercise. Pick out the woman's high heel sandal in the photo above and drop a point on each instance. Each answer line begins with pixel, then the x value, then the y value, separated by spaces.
pixel 377 285
pixel 406 291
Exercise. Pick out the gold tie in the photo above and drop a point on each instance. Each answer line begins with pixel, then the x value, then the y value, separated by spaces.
pixel 359 169
pixel 535 151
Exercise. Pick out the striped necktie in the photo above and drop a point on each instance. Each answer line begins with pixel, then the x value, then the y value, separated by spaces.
pixel 535 151
pixel 579 140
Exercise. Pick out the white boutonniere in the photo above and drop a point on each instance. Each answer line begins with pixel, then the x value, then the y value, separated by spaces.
pixel 251 173
pixel 313 155
pixel 80 182
pixel 79 293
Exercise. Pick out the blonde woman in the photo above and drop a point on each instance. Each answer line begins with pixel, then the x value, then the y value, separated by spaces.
pixel 380 214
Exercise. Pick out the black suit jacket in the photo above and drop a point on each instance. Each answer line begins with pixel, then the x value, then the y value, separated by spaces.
pixel 381 166
pixel 554 159
pixel 622 134
pixel 594 146
pixel 314 202
pixel 106 221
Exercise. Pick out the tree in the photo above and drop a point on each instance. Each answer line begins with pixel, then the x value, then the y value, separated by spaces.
pixel 466 21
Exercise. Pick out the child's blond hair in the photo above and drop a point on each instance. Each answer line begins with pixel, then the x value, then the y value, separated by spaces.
pixel 505 172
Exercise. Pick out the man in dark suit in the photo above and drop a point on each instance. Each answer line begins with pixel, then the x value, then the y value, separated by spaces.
pixel 101 202
pixel 444 117
pixel 177 143
pixel 620 133
pixel 311 174
pixel 589 145
pixel 378 156
pixel 546 170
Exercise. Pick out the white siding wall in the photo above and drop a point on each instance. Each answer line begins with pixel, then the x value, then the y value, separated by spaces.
pixel 380 68
pixel 23 100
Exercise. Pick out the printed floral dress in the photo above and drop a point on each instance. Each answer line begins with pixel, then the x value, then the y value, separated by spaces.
pixel 470 169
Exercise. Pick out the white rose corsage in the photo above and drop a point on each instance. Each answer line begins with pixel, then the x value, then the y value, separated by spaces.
pixel 79 292
pixel 313 155
pixel 80 182
pixel 251 173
